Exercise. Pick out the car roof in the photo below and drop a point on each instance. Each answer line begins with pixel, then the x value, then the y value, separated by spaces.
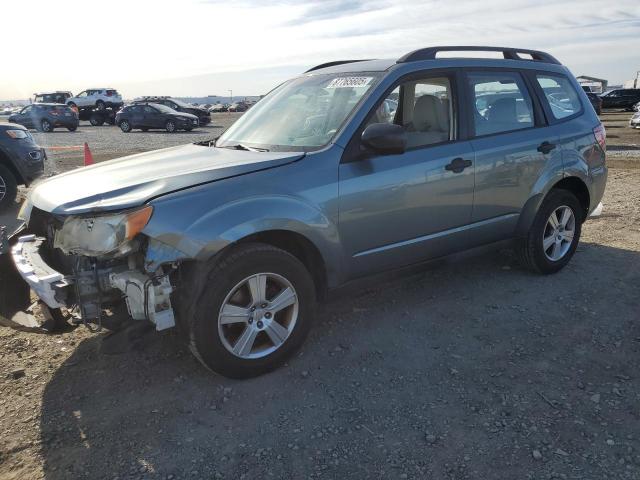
pixel 426 58
pixel 52 92
pixel 48 104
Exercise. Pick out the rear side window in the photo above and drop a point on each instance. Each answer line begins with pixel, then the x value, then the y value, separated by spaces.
pixel 501 102
pixel 561 96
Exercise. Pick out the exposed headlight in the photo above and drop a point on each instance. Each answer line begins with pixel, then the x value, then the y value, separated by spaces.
pixel 17 134
pixel 101 235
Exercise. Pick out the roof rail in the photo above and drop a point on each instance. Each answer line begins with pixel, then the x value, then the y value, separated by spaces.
pixel 508 53
pixel 333 64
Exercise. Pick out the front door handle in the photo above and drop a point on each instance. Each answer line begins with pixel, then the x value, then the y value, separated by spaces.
pixel 546 147
pixel 457 165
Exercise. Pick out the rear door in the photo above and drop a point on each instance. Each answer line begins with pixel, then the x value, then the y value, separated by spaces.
pixel 136 116
pixel 513 147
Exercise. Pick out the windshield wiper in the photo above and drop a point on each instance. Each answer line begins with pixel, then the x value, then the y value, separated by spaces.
pixel 240 146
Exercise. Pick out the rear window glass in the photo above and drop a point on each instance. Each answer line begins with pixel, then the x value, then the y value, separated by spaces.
pixel 561 96
pixel 501 103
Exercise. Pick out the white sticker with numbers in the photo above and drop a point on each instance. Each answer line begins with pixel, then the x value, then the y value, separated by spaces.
pixel 349 82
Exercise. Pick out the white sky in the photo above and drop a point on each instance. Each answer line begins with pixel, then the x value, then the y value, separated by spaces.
pixel 203 47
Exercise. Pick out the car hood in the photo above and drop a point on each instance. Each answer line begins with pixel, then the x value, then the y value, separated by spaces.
pixel 185 115
pixel 131 181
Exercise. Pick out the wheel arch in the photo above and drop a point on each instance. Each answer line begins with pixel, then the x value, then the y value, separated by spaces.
pixel 573 184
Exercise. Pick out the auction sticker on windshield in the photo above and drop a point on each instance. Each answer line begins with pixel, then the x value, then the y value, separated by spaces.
pixel 349 82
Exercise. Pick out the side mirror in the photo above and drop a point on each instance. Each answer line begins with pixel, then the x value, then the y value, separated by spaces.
pixel 385 138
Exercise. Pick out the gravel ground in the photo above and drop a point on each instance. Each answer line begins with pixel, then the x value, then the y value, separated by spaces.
pixel 471 369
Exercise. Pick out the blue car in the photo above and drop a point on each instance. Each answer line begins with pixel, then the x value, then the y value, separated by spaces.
pixel 351 169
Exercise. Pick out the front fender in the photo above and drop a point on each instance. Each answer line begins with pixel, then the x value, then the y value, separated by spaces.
pixel 202 236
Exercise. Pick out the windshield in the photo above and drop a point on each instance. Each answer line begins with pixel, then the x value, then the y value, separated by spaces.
pixel 301 115
pixel 181 104
pixel 163 108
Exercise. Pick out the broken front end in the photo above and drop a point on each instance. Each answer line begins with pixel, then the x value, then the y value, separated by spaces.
pixel 90 265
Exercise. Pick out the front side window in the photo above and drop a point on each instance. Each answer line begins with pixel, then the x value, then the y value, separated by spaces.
pixel 562 98
pixel 501 103
pixel 303 114
pixel 426 111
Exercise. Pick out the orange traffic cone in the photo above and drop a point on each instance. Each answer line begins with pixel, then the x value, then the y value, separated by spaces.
pixel 88 158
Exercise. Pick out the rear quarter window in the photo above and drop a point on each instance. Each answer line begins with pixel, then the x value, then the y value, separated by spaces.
pixel 560 94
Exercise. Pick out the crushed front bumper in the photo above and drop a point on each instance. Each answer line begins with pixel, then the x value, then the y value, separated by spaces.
pixel 50 285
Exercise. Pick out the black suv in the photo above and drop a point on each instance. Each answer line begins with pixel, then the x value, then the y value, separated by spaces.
pixel 46 117
pixel 204 117
pixel 21 161
pixel 153 115
pixel 621 98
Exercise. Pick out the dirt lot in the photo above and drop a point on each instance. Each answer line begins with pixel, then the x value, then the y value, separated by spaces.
pixel 471 369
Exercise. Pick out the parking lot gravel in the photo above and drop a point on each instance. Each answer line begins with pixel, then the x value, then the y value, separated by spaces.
pixel 472 368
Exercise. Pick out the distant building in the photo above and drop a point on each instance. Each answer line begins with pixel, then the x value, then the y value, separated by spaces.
pixel 597 85
pixel 635 83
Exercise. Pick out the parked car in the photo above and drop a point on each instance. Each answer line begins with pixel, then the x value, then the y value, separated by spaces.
pixel 21 161
pixel 636 107
pixel 621 98
pixel 52 97
pixel 46 116
pixel 99 98
pixel 635 120
pixel 204 117
pixel 235 239
pixel 596 102
pixel 219 107
pixel 6 110
pixel 237 107
pixel 146 116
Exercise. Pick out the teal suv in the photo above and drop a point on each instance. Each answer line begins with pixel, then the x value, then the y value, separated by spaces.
pixel 350 169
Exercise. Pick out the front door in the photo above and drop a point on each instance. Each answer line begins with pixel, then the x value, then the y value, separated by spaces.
pixel 399 209
pixel 25 116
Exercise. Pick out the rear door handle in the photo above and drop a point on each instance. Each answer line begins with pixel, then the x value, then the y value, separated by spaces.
pixel 457 165
pixel 546 147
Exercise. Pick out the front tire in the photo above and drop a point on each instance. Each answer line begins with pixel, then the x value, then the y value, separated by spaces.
pixel 554 234
pixel 251 311
pixel 170 126
pixel 100 105
pixel 46 126
pixel 72 129
pixel 125 126
pixel 8 187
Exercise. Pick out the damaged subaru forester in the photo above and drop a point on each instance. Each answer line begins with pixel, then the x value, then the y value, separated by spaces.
pixel 351 169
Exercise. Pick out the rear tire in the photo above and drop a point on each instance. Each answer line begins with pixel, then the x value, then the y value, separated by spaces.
pixel 100 105
pixel 8 187
pixel 278 329
pixel 552 241
pixel 72 129
pixel 96 120
pixel 125 126
pixel 144 129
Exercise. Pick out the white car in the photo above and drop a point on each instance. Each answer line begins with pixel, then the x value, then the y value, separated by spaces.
pixel 99 98
pixel 635 120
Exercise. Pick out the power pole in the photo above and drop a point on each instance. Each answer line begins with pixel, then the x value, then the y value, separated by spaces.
pixel 231 95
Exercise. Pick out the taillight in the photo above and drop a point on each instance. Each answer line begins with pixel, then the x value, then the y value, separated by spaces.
pixel 601 136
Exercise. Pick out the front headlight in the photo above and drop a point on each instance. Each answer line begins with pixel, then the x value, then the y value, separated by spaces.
pixel 101 235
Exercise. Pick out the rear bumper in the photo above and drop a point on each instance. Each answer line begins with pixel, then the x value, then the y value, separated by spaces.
pixel 50 285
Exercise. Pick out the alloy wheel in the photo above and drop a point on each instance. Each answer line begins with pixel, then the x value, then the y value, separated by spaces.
pixel 558 233
pixel 258 315
pixel 3 188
